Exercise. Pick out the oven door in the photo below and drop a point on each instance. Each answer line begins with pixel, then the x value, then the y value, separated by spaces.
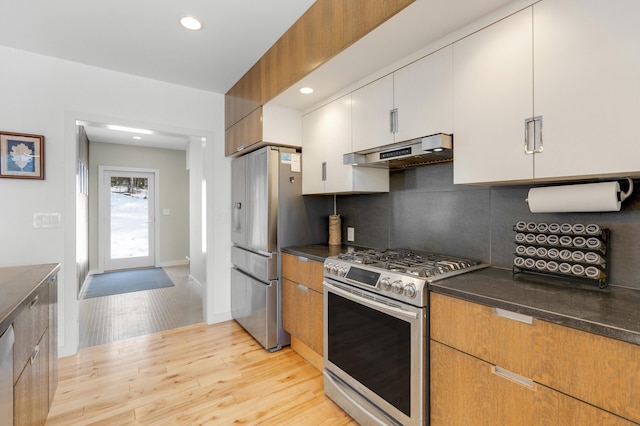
pixel 375 356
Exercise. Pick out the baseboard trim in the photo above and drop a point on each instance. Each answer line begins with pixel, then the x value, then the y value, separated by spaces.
pixel 173 263
pixel 192 278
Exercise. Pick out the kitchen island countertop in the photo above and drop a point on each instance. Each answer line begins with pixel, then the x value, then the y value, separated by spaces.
pixel 611 312
pixel 17 284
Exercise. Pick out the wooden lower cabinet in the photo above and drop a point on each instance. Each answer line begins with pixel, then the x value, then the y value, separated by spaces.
pixel 35 357
pixel 302 314
pixel 303 307
pixel 575 374
pixel 31 391
pixel 466 390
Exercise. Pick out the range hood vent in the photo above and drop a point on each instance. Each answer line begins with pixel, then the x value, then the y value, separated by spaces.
pixel 423 151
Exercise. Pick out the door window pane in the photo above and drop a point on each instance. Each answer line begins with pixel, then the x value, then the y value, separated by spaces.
pixel 129 217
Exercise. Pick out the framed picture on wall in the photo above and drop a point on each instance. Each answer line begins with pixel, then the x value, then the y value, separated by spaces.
pixel 21 156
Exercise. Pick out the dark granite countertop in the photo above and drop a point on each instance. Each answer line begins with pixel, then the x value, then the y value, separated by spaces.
pixel 612 312
pixel 319 252
pixel 17 284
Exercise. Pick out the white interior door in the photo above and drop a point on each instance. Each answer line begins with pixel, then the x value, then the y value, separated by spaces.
pixel 128 219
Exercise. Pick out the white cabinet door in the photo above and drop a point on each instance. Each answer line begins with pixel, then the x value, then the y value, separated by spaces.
pixel 313 152
pixel 587 87
pixel 493 95
pixel 370 112
pixel 337 143
pixel 326 138
pixel 423 95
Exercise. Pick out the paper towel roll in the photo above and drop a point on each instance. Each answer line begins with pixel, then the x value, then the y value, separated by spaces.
pixel 590 197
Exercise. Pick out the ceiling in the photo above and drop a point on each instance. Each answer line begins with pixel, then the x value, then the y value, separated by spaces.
pixel 144 38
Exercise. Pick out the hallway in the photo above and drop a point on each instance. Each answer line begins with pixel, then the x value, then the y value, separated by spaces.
pixel 121 316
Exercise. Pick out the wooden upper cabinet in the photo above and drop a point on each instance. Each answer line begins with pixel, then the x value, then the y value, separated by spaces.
pixel 323 31
pixel 311 41
pixel 361 17
pixel 243 134
pixel 244 97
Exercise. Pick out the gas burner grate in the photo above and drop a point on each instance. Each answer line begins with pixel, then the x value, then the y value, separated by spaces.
pixel 419 264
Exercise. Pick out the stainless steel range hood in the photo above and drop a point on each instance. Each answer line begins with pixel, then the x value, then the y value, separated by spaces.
pixel 423 151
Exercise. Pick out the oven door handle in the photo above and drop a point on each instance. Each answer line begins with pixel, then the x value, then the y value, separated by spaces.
pixel 391 310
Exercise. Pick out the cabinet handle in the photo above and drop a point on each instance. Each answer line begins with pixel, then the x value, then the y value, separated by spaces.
pixel 513 316
pixel 34 354
pixel 393 120
pixel 537 135
pixel 34 302
pixel 302 259
pixel 533 126
pixel 529 128
pixel 513 376
pixel 303 287
pixel 240 148
pixel 324 170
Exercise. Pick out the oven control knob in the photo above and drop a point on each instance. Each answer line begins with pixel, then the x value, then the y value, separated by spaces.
pixel 342 271
pixel 410 291
pixel 386 283
pixel 397 287
pixel 327 268
pixel 334 269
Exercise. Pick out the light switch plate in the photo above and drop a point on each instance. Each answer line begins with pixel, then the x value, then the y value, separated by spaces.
pixel 351 233
pixel 166 212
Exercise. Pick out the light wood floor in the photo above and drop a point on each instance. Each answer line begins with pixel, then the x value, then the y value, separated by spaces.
pixel 110 318
pixel 194 375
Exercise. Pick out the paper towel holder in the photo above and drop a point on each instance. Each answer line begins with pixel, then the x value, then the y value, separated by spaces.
pixel 625 195
pixel 622 195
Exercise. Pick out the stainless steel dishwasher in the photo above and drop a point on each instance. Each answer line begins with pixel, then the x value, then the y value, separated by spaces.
pixel 6 374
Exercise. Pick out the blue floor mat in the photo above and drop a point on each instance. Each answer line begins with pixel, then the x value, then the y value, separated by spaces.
pixel 119 282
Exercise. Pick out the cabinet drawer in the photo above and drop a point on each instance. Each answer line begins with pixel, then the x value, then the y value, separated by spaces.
pixel 29 326
pixel 483 332
pixel 302 271
pixel 601 371
pixel 467 390
pixel 302 314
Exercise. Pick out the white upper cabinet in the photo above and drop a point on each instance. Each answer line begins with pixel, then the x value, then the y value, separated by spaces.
pixel 587 87
pixel 493 94
pixel 423 96
pixel 326 137
pixel 572 63
pixel 371 114
pixel 414 101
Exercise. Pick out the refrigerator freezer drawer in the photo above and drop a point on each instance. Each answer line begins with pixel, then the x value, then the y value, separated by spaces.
pixel 264 268
pixel 254 305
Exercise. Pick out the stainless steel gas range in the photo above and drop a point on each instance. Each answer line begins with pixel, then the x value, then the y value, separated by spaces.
pixel 376 331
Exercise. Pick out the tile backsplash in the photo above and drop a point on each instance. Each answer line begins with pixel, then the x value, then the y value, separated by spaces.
pixel 425 211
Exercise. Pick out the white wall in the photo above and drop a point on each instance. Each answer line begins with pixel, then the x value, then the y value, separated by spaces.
pixel 43 95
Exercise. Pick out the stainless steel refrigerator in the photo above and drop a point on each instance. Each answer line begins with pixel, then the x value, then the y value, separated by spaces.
pixel 268 213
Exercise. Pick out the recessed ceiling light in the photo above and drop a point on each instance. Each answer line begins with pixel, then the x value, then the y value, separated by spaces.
pixel 190 23
pixel 306 90
pixel 137 137
pixel 129 129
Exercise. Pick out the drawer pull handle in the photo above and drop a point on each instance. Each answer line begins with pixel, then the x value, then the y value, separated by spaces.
pixel 513 377
pixel 513 316
pixel 34 302
pixel 302 259
pixel 303 287
pixel 34 354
